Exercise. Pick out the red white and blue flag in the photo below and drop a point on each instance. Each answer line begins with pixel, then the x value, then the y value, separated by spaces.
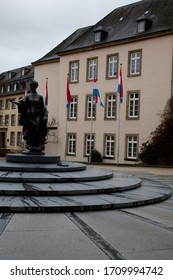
pixel 46 94
pixel 96 93
pixel 120 85
pixel 68 94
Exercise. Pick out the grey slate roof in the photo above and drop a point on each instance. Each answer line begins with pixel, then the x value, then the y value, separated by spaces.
pixel 121 23
pixel 16 74
pixel 16 77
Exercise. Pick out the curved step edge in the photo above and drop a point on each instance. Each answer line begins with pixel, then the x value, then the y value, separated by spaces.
pixel 32 205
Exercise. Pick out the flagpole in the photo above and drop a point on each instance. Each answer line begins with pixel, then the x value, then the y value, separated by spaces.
pixel 66 136
pixel 91 131
pixel 119 126
pixel 120 91
pixel 66 123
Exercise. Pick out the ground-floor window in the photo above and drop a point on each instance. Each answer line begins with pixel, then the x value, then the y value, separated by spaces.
pixel 109 146
pixel 12 138
pixel 89 144
pixel 132 146
pixel 71 144
pixel 19 138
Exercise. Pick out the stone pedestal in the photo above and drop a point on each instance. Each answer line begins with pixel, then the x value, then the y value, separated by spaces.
pixel 32 158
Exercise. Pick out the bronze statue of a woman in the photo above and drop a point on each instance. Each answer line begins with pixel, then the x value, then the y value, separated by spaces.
pixel 33 118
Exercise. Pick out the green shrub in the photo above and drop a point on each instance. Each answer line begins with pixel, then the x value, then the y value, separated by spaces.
pixel 96 156
pixel 158 150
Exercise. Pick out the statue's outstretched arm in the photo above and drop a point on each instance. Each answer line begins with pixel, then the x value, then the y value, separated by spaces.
pixel 14 102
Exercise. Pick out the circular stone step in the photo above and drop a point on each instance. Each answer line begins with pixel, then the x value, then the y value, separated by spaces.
pixel 56 187
pixel 90 174
pixel 149 193
pixel 117 183
pixel 41 167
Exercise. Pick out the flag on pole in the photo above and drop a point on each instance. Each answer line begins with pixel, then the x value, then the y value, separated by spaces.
pixel 69 98
pixel 120 85
pixel 96 93
pixel 46 94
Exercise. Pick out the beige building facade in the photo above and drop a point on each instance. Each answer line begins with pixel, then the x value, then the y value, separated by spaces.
pixel 152 89
pixel 117 131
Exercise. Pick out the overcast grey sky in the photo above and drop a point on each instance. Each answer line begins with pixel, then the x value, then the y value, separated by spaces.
pixel 30 29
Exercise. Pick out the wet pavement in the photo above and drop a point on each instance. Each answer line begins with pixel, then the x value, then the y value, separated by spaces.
pixel 135 233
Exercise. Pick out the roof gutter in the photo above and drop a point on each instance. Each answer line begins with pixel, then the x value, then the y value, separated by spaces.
pixel 36 63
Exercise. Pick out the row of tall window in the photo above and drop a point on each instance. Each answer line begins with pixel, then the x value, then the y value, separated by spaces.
pixel 6 120
pixel 5 104
pixel 110 111
pixel 109 150
pixel 112 62
pixel 15 138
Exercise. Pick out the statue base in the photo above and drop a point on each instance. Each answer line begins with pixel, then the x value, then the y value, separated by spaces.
pixel 32 157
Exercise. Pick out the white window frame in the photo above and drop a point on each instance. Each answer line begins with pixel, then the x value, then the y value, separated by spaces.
pixel 112 66
pixel 92 68
pixel 74 71
pixel 72 113
pixel 110 106
pixel 87 143
pixel 133 105
pixel 90 107
pixel 109 146
pixel 132 147
pixel 135 62
pixel 71 144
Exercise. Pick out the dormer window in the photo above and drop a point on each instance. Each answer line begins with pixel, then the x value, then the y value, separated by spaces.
pixel 97 36
pixel 23 71
pixel 141 26
pixel 100 34
pixel 143 23
pixel 11 74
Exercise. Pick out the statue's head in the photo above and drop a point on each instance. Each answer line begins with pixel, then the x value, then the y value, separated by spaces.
pixel 33 85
